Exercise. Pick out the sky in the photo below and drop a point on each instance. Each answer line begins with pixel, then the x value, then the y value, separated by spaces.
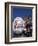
pixel 20 12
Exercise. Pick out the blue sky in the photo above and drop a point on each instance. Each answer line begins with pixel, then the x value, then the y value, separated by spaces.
pixel 20 12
